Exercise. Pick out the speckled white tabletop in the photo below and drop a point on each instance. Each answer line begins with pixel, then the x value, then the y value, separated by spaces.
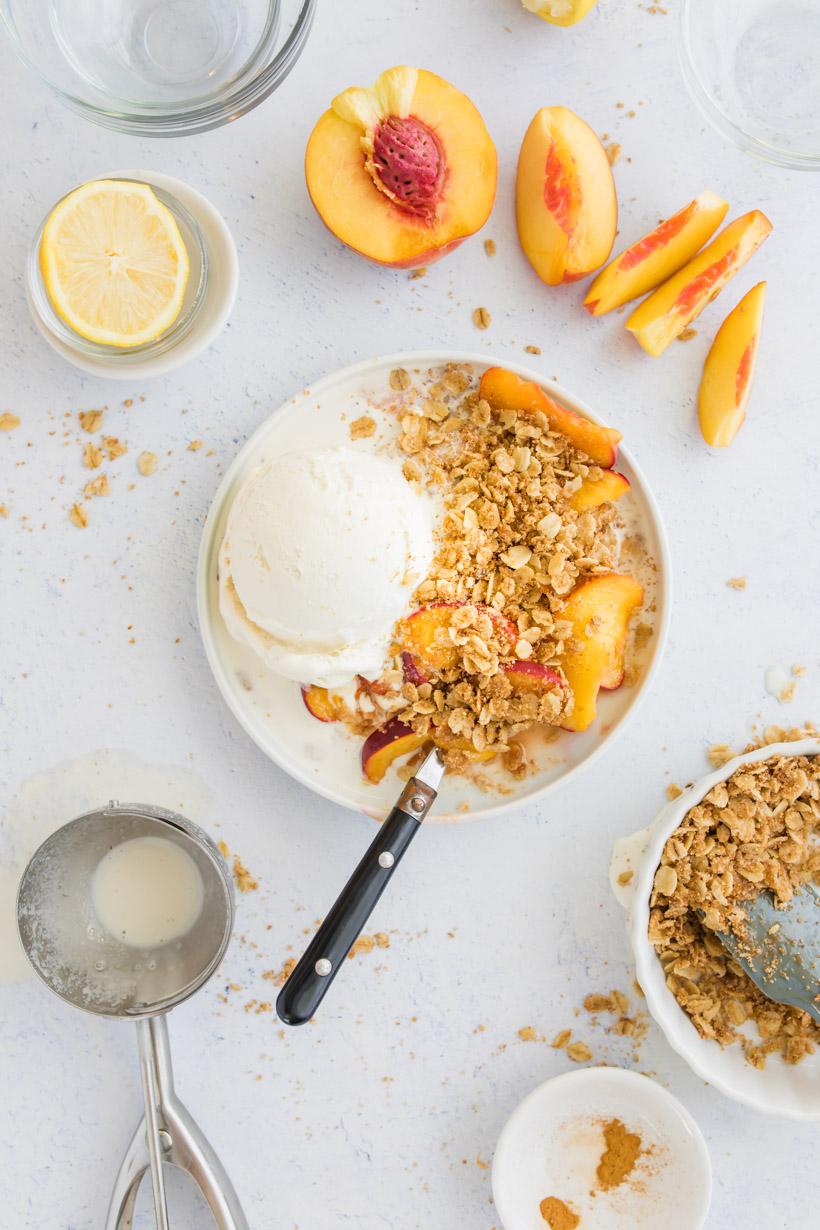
pixel 385 1110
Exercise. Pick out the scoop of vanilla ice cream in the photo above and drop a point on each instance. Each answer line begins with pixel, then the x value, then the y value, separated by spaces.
pixel 321 553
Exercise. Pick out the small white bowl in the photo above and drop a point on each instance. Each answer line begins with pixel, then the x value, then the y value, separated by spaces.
pixel 325 756
pixel 791 1090
pixel 552 1143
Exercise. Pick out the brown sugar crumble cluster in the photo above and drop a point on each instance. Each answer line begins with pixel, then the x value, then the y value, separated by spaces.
pixel 758 830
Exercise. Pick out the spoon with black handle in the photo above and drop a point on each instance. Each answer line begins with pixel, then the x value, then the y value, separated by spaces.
pixel 311 977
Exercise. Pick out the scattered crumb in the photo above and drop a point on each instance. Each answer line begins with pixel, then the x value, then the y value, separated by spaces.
pixel 527 1034
pixel 9 421
pixel 92 456
pixel 194 446
pixel 90 420
pixel 719 754
pixel 399 379
pixel 687 334
pixel 97 486
pixel 489 247
pixel 736 582
pixel 114 447
pixel 533 349
pixel 78 516
pixel 367 943
pixel 798 670
pixel 613 152
pixel 561 1039
pixel 558 1215
pixel 673 791
pixel 787 692
pixel 579 1052
pixel 419 273
pixel 362 428
pixel 4 512
pixel 481 318
pixel 147 463
pixel 244 881
pixel 222 847
pixel 625 878
pixel 598 1003
pixel 280 977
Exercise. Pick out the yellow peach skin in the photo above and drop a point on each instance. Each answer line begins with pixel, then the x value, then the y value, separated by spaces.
pixel 402 172
pixel 599 610
pixel 729 370
pixel 673 306
pixel 565 204
pixel 560 12
pixel 655 257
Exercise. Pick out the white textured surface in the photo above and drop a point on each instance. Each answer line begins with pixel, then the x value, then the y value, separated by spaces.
pixel 503 923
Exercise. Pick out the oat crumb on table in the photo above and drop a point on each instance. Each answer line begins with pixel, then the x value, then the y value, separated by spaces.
pixel 482 318
pixel 114 447
pixel 527 1034
pixel 362 428
pixel 9 421
pixel 558 1214
pixel 97 486
pixel 561 1039
pixel 4 511
pixel 92 456
pixel 194 446
pixel 90 420
pixel 531 349
pixel 673 792
pixel 245 882
pixel 367 943
pixel 489 247
pixel 579 1052
pixel 279 977
pixel 613 152
pixel 147 463
pixel 78 516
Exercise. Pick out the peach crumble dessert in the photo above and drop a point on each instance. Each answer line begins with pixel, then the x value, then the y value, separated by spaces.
pixel 522 615
pixel 758 830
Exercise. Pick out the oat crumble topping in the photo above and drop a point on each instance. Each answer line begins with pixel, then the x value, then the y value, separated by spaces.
pixel 362 428
pixel 757 830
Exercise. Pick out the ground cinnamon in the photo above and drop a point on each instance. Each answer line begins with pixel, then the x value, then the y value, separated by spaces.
pixel 558 1215
pixel 623 1148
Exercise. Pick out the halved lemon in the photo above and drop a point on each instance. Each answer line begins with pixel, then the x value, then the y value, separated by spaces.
pixel 114 263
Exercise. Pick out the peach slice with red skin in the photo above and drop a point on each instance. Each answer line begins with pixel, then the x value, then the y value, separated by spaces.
pixel 560 12
pixel 528 676
pixel 565 204
pixel 387 744
pixel 656 256
pixel 424 634
pixel 505 390
pixel 673 306
pixel 599 610
pixel 412 670
pixel 729 369
pixel 594 492
pixel 404 171
pixel 321 703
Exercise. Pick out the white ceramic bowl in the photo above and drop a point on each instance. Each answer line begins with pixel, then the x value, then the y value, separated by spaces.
pixel 324 756
pixel 779 1088
pixel 552 1143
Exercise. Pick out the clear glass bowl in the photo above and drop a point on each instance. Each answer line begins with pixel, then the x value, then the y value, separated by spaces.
pixel 123 356
pixel 160 68
pixel 753 68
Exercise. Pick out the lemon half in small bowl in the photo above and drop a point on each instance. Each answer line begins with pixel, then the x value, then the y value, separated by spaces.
pixel 121 269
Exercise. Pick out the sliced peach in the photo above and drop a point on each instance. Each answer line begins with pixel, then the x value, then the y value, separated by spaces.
pixel 321 703
pixel 448 742
pixel 565 204
pixel 729 369
pixel 412 670
pixel 666 313
pixel 657 256
pixel 594 492
pixel 425 634
pixel 387 744
pixel 528 676
pixel 599 610
pixel 560 12
pixel 404 171
pixel 505 390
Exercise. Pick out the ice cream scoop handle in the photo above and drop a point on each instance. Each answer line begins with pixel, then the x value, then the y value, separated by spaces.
pixel 311 978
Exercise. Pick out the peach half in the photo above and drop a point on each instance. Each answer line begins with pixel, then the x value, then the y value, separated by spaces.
pixel 599 610
pixel 673 306
pixel 653 259
pixel 560 12
pixel 404 171
pixel 729 370
pixel 504 390
pixel 594 492
pixel 565 204
pixel 425 635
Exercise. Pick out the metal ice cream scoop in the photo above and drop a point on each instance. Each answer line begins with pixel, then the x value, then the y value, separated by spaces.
pixel 780 948
pixel 88 967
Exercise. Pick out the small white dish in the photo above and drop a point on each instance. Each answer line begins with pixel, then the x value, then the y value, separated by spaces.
pixel 791 1090
pixel 212 312
pixel 552 1143
pixel 325 756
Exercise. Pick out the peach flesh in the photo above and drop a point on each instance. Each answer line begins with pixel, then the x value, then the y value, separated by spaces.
pixel 409 161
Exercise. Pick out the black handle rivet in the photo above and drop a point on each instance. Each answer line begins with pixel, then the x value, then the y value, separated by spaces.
pixel 386 859
pixel 323 967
